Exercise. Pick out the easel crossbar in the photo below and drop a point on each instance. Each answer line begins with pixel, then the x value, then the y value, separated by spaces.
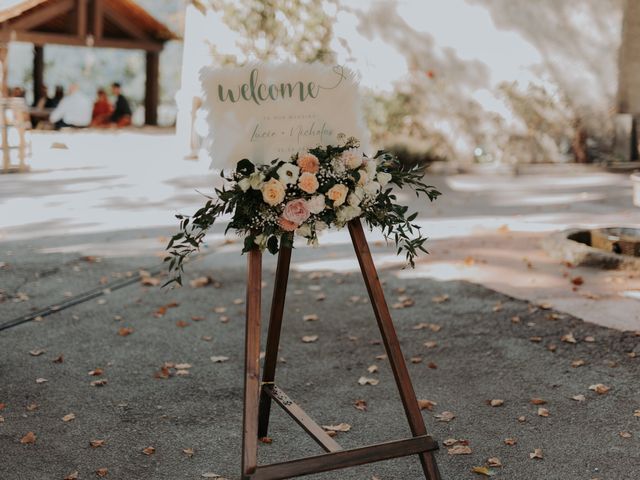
pixel 345 458
pixel 314 430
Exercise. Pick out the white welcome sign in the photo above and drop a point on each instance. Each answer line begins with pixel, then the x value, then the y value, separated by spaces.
pixel 268 111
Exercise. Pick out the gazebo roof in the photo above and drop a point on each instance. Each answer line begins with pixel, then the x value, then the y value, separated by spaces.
pixel 100 23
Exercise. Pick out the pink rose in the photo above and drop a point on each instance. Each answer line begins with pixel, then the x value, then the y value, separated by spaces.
pixel 308 162
pixel 296 211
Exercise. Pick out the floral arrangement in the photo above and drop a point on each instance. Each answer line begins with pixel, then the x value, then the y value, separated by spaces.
pixel 301 196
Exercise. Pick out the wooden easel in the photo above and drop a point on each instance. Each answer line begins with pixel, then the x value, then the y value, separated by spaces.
pixel 259 395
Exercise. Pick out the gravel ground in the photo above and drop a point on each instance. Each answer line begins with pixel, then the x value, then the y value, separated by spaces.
pixel 487 347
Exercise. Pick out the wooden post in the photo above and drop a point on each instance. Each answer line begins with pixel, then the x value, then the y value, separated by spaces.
pixel 152 89
pixel 4 64
pixel 252 364
pixel 38 72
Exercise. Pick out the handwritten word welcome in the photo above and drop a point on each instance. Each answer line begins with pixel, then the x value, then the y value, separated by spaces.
pixel 259 92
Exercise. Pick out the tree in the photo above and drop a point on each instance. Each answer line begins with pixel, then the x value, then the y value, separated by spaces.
pixel 294 30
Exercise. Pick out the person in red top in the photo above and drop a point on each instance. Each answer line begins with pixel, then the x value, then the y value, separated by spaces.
pixel 102 110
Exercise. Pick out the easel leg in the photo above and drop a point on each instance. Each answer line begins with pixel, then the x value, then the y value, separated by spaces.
pixel 392 344
pixel 252 364
pixel 273 336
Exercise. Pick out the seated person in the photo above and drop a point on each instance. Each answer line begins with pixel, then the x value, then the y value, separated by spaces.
pixel 42 99
pixel 74 110
pixel 121 116
pixel 102 109
pixel 53 102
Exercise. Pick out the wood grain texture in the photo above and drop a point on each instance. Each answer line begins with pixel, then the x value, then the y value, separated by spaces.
pixel 391 343
pixel 252 363
pixel 314 430
pixel 273 336
pixel 344 458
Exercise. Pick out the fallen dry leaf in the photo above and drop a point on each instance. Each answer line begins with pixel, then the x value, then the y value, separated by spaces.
pixel 535 339
pixel 360 405
pixel 426 404
pixel 496 402
pixel 372 368
pixel 69 417
pixel 341 427
pixel 543 412
pixel 577 281
pixel 31 407
pixel 578 363
pixel 440 298
pixel 266 440
pixel 312 317
pixel 494 462
pixel 510 441
pixel 102 472
pixel 636 413
pixel 626 434
pixel 599 388
pixel 219 358
pixel 579 398
pixel 72 476
pixel 36 353
pixel 483 471
pixel 498 307
pixel 182 366
pixel 182 324
pixel 149 450
pixel 431 344
pixel 125 331
pixel 28 439
pixel 99 383
pixel 163 309
pixel 537 454
pixel 568 338
pixel 189 452
pixel 201 282
pixel 459 449
pixel 310 338
pixel 445 416
pixel 415 360
pixel 97 443
pixel 538 401
pixel 589 339
pixel 368 381
pixel 58 359
pixel 215 476
pixel 96 372
pixel 522 419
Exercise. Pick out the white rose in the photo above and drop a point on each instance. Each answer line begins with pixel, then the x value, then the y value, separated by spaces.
pixel 383 178
pixel 316 204
pixel 371 166
pixel 345 214
pixel 256 179
pixel 320 226
pixel 244 184
pixel 353 199
pixel 288 173
pixel 372 188
pixel 304 230
pixel 352 159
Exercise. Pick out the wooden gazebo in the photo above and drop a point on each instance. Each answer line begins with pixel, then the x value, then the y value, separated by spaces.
pixel 89 23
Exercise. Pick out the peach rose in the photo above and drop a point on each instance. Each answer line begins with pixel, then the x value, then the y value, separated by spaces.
pixel 296 211
pixel 308 182
pixel 308 162
pixel 338 193
pixel 287 225
pixel 273 192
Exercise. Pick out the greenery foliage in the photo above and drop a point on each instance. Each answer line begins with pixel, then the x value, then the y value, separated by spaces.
pixel 303 195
